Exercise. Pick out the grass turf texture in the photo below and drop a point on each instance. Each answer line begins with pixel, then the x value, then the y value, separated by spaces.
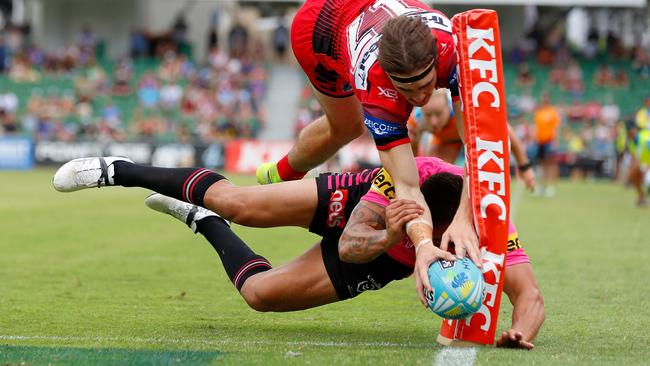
pixel 98 270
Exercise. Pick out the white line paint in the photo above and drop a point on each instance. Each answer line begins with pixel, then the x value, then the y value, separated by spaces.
pixel 216 342
pixel 450 356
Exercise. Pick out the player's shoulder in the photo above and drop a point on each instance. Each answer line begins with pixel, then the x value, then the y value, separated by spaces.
pixel 383 185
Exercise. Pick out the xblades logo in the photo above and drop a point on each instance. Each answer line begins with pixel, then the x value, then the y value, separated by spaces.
pixel 388 93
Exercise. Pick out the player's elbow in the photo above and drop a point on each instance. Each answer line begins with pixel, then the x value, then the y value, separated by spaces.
pixel 539 301
pixel 535 300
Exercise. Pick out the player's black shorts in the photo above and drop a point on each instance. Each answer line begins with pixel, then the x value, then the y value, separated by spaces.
pixel 351 279
pixel 338 194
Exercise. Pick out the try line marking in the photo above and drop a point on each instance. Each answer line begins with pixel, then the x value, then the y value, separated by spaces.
pixel 220 342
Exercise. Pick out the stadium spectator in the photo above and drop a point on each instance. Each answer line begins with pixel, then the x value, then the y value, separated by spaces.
pixel 574 79
pixel 525 78
pixel 643 115
pixel 280 38
pixel 547 122
pixel 122 77
pixel 138 44
pixel 237 40
pixel 642 63
pixel 4 54
pixel 610 112
pixel 604 76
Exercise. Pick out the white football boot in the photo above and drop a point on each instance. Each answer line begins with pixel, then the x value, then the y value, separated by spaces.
pixel 183 211
pixel 85 173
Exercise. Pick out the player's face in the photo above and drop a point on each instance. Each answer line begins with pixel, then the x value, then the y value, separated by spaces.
pixel 418 92
pixel 436 114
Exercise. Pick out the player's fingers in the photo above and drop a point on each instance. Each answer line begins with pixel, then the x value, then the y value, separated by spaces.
pixel 424 277
pixel 446 255
pixel 460 251
pixel 406 219
pixel 444 241
pixel 502 339
pixel 474 253
pixel 475 256
pixel 526 345
pixel 419 288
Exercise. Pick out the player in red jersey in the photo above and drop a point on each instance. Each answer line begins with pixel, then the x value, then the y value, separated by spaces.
pixel 370 62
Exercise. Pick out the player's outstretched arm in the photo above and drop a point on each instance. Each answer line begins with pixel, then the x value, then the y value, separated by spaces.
pixel 528 312
pixel 524 168
pixel 373 229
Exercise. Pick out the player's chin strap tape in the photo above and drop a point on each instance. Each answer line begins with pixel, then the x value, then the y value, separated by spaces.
pixel 412 79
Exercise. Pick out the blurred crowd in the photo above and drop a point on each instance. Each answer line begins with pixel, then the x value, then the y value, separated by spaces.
pixel 72 95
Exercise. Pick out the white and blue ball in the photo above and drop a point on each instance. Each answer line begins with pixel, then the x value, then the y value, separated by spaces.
pixel 458 288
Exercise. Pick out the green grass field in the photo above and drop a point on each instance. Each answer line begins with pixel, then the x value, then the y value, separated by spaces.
pixel 95 278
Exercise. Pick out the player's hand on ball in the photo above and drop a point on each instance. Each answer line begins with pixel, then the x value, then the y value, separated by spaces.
pixel 461 232
pixel 398 214
pixel 426 254
pixel 513 339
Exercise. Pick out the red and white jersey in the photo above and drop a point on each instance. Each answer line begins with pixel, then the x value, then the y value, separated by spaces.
pixel 370 83
pixel 337 44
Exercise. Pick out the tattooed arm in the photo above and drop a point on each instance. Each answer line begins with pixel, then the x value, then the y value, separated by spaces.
pixel 373 229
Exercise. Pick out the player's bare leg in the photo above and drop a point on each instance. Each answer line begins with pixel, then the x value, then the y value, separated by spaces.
pixel 290 203
pixel 528 312
pixel 300 284
pixel 320 140
pixel 286 204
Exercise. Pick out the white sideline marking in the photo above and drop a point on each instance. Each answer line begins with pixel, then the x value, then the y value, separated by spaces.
pixel 450 356
pixel 220 342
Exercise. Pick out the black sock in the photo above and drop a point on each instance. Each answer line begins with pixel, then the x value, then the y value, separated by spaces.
pixel 186 184
pixel 239 261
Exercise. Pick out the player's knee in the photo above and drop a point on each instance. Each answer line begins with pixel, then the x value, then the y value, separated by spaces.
pixel 347 131
pixel 230 206
pixel 259 298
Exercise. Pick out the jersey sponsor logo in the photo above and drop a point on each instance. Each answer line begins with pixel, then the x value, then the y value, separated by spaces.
pixel 383 185
pixel 380 128
pixel 388 93
pixel 513 242
pixel 336 209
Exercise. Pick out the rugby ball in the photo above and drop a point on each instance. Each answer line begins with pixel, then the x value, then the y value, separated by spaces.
pixel 458 288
